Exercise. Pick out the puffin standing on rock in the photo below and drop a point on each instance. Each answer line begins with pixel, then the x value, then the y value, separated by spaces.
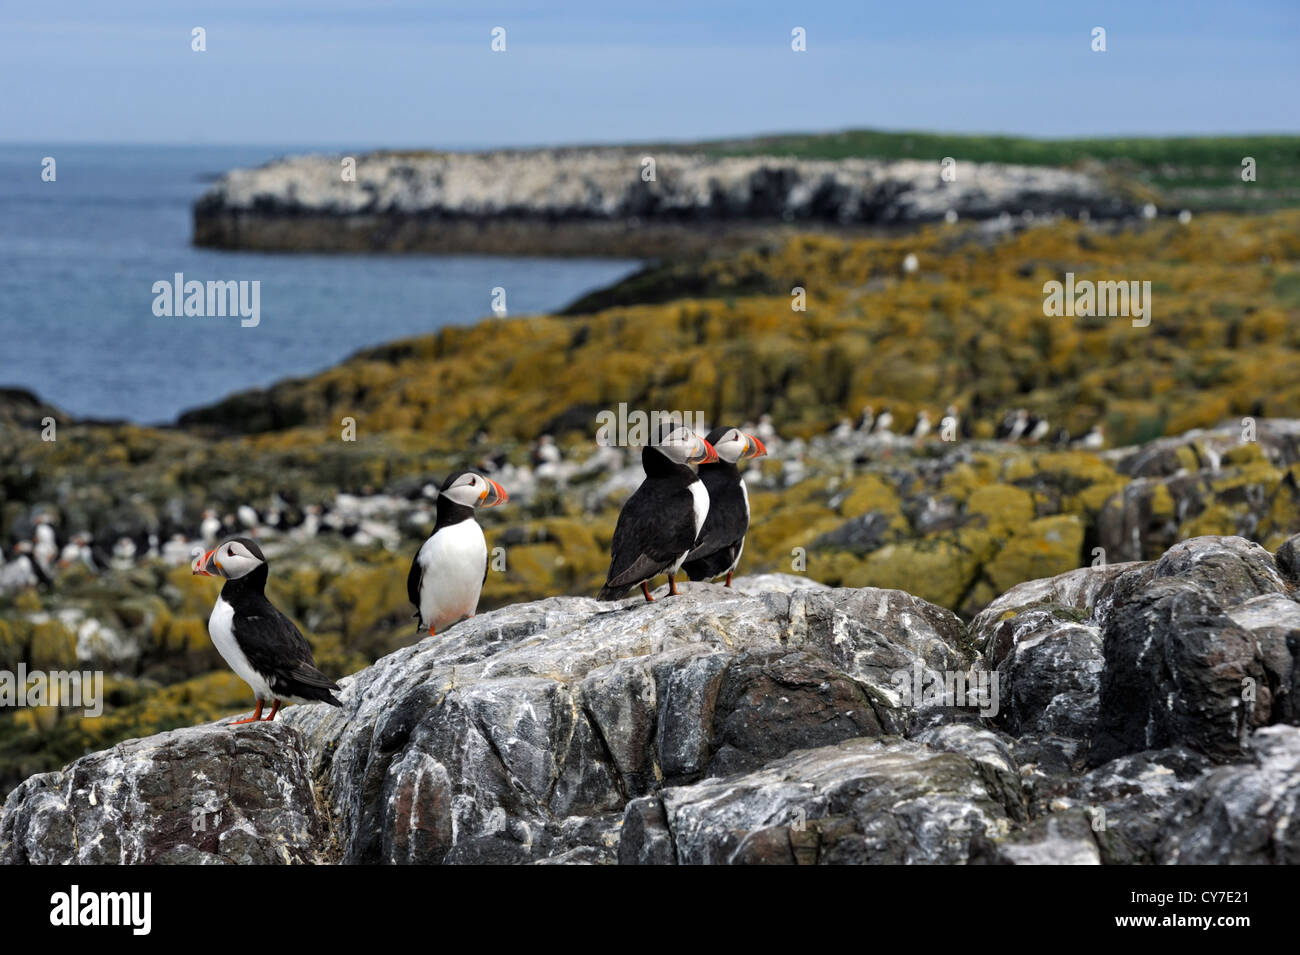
pixel 661 522
pixel 723 538
pixel 262 645
pixel 449 569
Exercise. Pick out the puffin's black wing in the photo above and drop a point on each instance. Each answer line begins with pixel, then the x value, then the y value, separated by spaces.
pixel 414 579
pixel 712 565
pixel 655 528
pixel 276 648
pixel 42 578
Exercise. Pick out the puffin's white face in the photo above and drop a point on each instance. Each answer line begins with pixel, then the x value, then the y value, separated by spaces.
pixel 475 490
pixel 735 444
pixel 684 446
pixel 231 559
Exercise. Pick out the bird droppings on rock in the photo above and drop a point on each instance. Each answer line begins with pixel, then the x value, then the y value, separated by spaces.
pixel 762 723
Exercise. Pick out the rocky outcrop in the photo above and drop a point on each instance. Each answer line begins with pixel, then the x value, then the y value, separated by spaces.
pixel 1195 649
pixel 597 201
pixel 202 795
pixel 774 723
pixel 524 733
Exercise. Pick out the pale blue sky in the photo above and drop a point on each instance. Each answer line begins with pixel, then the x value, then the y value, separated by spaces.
pixel 400 73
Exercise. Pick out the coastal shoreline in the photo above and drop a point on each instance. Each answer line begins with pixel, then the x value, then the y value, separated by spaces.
pixel 397 233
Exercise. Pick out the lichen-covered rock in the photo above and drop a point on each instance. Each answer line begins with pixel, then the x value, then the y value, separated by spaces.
pixel 211 794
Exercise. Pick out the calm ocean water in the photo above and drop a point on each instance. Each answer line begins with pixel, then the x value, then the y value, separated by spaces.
pixel 79 257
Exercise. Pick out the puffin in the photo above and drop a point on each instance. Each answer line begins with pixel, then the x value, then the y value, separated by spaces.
pixel 1036 429
pixel 722 540
pixel 660 523
pixel 1093 440
pixel 1014 425
pixel 922 425
pixel 263 646
pixel 450 567
pixel 883 423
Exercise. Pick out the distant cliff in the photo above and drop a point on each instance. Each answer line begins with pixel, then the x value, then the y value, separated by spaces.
pixel 609 201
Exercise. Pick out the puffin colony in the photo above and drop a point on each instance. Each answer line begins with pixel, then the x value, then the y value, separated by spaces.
pixel 690 513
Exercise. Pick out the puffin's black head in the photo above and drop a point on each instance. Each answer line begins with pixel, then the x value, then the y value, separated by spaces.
pixel 232 559
pixel 732 444
pixel 471 489
pixel 681 445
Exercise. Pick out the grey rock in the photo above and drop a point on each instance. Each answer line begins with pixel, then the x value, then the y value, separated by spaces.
pixel 861 535
pixel 1130 800
pixel 1244 814
pixel 1177 671
pixel 1063 838
pixel 770 722
pixel 1288 559
pixel 606 185
pixel 479 743
pixel 1274 621
pixel 210 794
pixel 859 801
pixel 1049 677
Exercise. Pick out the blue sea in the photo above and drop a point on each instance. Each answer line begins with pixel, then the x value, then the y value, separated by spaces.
pixel 79 258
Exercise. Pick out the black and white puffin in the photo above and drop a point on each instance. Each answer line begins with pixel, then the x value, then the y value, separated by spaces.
pixel 661 522
pixel 722 540
pixel 263 646
pixel 450 567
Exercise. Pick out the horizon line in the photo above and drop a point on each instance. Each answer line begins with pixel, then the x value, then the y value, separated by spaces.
pixel 668 140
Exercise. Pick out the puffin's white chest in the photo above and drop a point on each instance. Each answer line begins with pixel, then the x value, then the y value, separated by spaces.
pixel 700 510
pixel 221 627
pixel 699 503
pixel 453 560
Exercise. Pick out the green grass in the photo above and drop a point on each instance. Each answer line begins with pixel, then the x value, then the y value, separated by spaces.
pixel 1219 151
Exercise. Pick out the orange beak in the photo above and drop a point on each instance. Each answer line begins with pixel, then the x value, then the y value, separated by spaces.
pixel 493 495
pixel 710 454
pixel 201 565
pixel 756 448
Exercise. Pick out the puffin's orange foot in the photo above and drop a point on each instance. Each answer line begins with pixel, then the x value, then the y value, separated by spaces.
pixel 672 586
pixel 257 715
pixel 728 583
pixel 645 589
pixel 274 709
